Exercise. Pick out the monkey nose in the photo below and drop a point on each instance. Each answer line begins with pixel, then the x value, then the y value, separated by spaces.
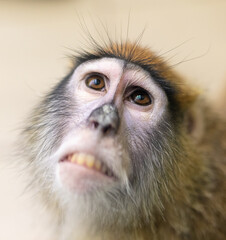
pixel 105 119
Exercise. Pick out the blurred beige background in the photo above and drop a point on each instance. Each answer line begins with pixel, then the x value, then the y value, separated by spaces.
pixel 34 40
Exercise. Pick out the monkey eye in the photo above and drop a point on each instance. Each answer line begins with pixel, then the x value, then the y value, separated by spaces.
pixel 140 97
pixel 96 82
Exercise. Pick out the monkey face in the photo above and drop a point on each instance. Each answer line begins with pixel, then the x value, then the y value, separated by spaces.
pixel 114 102
pixel 104 138
pixel 110 151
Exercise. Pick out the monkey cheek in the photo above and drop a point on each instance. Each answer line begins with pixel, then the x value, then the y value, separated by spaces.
pixel 78 179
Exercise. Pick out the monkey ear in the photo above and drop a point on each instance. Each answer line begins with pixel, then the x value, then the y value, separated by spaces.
pixel 194 122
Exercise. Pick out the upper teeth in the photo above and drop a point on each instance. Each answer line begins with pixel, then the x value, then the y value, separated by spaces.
pixel 89 161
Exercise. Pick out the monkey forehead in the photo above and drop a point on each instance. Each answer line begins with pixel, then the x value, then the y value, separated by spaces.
pixel 111 67
pixel 114 68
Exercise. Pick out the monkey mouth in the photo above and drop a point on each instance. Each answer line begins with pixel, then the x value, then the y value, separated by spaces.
pixel 88 162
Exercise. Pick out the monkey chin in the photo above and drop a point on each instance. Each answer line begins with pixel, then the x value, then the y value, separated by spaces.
pixel 83 173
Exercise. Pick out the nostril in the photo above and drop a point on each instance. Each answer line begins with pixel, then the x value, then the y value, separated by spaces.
pixel 107 129
pixel 94 124
pixel 104 119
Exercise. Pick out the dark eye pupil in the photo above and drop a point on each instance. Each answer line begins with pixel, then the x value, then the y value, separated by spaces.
pixel 96 81
pixel 140 97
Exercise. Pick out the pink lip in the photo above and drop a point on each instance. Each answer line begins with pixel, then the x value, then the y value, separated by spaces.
pixel 83 172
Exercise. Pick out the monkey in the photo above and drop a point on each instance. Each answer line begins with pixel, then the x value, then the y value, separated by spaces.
pixel 124 148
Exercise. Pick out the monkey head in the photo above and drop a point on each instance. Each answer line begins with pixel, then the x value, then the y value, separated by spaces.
pixel 104 145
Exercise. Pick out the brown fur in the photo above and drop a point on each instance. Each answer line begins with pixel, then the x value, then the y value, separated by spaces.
pixel 194 200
